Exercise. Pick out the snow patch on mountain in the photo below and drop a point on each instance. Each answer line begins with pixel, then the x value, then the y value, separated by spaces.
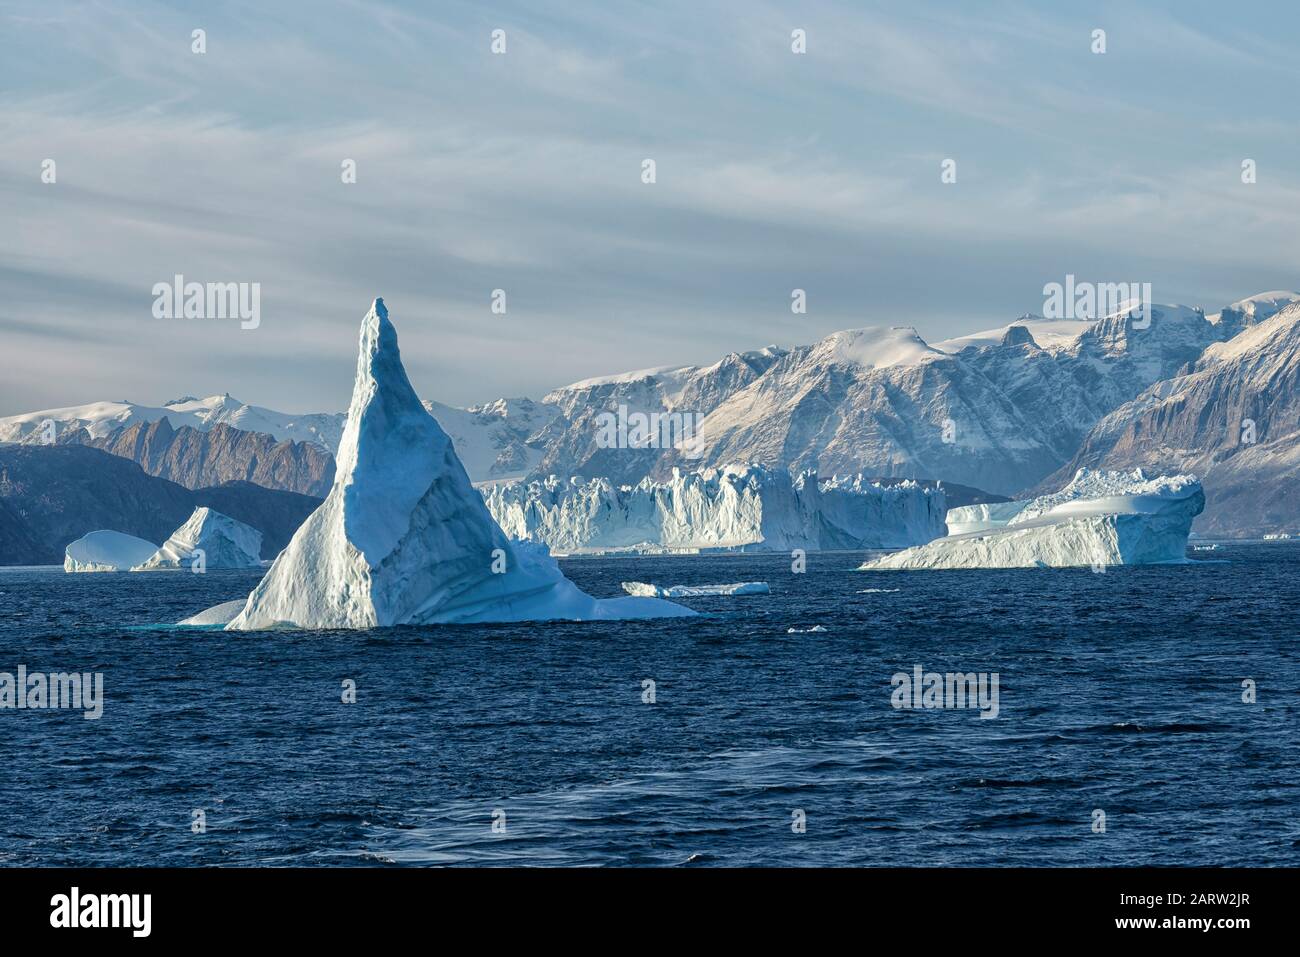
pixel 874 348
pixel 1050 334
pixel 733 507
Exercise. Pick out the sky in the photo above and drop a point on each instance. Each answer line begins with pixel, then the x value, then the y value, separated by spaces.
pixel 522 171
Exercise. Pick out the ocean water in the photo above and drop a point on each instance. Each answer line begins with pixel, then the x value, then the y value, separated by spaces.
pixel 1119 693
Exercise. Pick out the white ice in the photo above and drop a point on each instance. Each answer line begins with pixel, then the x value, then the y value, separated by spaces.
pixel 224 542
pixel 106 551
pixel 403 537
pixel 1101 518
pixel 744 507
pixel 695 591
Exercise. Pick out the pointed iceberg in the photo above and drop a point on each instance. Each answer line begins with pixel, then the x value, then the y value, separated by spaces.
pixel 222 541
pixel 403 537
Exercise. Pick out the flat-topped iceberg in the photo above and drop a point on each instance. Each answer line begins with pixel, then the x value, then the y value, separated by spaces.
pixel 695 591
pixel 403 537
pixel 740 507
pixel 1100 518
pixel 106 551
pixel 221 541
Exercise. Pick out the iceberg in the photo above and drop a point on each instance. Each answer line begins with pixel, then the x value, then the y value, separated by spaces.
pixel 221 614
pixel 1101 518
pixel 223 541
pixel 732 507
pixel 106 551
pixel 981 518
pixel 403 537
pixel 695 591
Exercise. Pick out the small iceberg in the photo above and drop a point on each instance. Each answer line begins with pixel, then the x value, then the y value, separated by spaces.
pixel 221 541
pixel 222 614
pixel 695 591
pixel 106 551
pixel 1101 518
pixel 804 631
pixel 403 538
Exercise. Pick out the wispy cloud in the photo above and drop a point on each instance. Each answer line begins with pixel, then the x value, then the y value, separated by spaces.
pixel 522 172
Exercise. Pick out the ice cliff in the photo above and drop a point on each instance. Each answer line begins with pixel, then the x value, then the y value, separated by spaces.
pixel 740 507
pixel 1100 518
pixel 981 518
pixel 403 537
pixel 224 543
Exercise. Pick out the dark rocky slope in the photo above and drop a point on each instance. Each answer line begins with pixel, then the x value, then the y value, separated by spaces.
pixel 51 495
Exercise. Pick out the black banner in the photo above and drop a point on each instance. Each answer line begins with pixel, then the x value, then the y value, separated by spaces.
pixel 332 906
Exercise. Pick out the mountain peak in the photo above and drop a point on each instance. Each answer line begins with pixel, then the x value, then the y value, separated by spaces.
pixel 875 347
pixel 1018 335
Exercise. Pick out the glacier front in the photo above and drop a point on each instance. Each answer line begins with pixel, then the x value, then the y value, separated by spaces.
pixel 748 508
pixel 403 537
pixel 1100 518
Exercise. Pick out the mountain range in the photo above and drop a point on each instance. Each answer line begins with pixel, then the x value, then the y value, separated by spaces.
pixel 1010 410
pixel 1232 417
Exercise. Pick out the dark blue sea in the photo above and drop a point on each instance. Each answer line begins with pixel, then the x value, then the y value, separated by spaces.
pixel 1120 692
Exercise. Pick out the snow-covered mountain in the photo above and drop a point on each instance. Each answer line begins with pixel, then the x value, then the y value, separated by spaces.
pixel 1000 409
pixel 492 440
pixel 571 443
pixel 736 507
pixel 995 414
pixel 493 437
pixel 1251 311
pixel 1233 417
pixel 99 419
